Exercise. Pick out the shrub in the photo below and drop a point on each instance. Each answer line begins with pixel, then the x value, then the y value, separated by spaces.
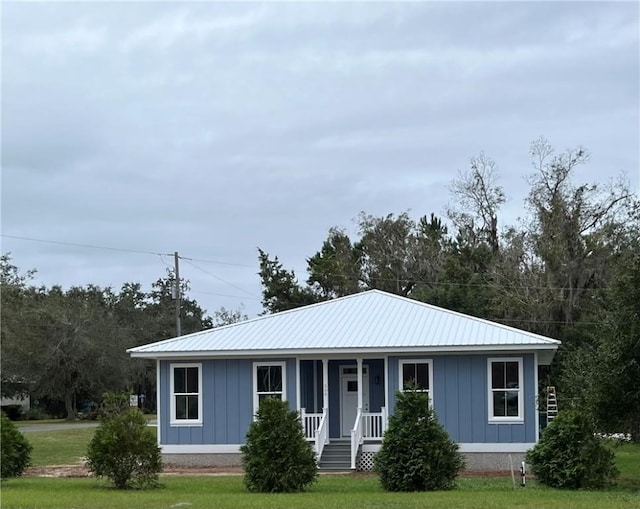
pixel 36 414
pixel 114 403
pixel 16 450
pixel 125 451
pixel 417 453
pixel 276 456
pixel 570 455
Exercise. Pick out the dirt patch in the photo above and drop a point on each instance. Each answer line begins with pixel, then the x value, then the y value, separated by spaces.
pixel 80 470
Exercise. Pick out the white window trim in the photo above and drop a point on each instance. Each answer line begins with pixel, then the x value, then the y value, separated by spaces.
pixel 401 364
pixel 185 422
pixel 508 419
pixel 283 365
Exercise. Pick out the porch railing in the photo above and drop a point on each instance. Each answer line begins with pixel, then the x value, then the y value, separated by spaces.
pixel 322 434
pixel 356 438
pixel 374 424
pixel 310 423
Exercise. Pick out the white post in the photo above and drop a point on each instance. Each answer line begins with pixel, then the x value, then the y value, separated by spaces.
pixel 325 384
pixel 158 412
pixel 360 379
pixel 315 386
pixel 298 385
pixel 386 388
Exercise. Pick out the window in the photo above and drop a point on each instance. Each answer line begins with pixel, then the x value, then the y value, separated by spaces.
pixel 269 381
pixel 505 390
pixel 186 394
pixel 417 372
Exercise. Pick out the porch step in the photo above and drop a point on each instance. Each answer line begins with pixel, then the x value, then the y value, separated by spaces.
pixel 336 456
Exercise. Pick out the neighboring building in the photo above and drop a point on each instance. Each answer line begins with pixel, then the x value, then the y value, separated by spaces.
pixel 17 405
pixel 339 363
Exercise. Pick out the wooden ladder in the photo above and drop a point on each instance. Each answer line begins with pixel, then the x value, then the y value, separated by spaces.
pixel 552 403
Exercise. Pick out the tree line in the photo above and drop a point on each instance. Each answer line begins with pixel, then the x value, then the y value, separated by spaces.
pixel 569 269
pixel 65 348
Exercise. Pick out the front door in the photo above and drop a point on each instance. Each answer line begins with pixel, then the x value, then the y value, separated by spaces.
pixel 349 396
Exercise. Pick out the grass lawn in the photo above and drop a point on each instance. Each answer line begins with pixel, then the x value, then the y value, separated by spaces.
pixel 339 491
pixel 628 462
pixel 61 446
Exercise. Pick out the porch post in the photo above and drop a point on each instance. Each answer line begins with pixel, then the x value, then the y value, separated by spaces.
pixel 298 386
pixel 325 384
pixel 360 381
pixel 386 383
pixel 315 386
pixel 386 391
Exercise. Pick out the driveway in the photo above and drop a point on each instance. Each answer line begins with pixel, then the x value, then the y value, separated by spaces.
pixel 54 427
pixel 65 425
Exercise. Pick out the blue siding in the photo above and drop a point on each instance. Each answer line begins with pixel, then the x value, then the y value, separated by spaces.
pixel 306 386
pixel 334 396
pixel 460 399
pixel 227 409
pixel 376 384
pixel 460 396
pixel 291 383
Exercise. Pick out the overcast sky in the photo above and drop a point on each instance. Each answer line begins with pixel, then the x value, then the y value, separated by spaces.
pixel 214 128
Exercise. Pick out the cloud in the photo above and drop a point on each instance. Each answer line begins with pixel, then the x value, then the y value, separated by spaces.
pixel 59 44
pixel 183 26
pixel 213 128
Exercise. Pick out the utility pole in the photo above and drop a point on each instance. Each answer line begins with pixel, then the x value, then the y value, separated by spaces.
pixel 177 294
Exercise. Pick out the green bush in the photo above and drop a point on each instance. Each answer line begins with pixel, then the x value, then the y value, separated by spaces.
pixel 276 457
pixel 36 414
pixel 16 450
pixel 570 455
pixel 114 403
pixel 125 451
pixel 417 453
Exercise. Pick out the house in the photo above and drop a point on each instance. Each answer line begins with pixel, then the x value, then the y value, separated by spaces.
pixel 339 364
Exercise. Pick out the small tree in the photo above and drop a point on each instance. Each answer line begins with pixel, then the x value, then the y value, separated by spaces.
pixel 417 453
pixel 277 457
pixel 570 455
pixel 125 451
pixel 114 403
pixel 16 450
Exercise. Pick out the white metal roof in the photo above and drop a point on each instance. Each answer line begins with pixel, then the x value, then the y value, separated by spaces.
pixel 372 321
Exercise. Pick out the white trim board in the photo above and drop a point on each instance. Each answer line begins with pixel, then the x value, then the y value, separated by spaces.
pixel 348 353
pixel 497 448
pixel 200 449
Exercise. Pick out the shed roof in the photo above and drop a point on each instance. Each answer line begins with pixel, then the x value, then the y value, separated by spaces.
pixel 372 321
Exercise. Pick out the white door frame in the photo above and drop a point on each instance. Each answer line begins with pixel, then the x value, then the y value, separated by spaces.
pixel 353 376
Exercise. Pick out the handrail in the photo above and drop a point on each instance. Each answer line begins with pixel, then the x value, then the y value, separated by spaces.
pixel 356 438
pixel 373 425
pixel 322 433
pixel 310 423
pixel 385 419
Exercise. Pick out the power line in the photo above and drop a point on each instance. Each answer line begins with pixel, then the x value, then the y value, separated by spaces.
pixel 89 246
pixel 344 276
pixel 225 295
pixel 219 262
pixel 219 278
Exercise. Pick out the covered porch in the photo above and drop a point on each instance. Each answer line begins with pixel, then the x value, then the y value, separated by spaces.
pixel 343 401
